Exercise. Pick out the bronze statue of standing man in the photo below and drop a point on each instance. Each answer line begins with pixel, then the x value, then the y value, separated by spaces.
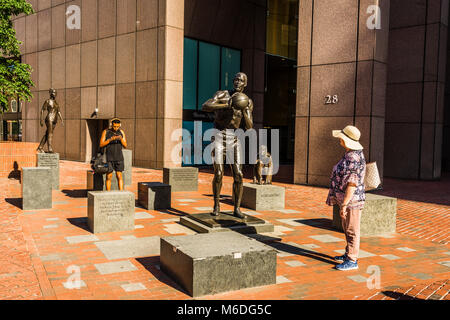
pixel 230 107
pixel 53 113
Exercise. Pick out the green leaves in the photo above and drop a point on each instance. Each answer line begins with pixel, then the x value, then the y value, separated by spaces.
pixel 15 77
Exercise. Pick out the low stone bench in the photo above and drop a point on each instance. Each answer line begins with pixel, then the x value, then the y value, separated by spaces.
pixel 378 216
pixel 212 263
pixel 37 188
pixel 50 160
pixel 154 195
pixel 181 179
pixel 111 211
pixel 263 197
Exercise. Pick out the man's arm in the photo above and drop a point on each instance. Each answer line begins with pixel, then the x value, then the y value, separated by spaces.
pixel 103 141
pixel 123 140
pixel 41 115
pixel 248 116
pixel 217 102
pixel 60 115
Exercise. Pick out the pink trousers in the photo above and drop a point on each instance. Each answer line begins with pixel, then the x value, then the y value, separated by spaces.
pixel 352 229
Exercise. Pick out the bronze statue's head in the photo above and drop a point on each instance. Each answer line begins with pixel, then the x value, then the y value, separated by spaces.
pixel 116 124
pixel 240 81
pixel 52 93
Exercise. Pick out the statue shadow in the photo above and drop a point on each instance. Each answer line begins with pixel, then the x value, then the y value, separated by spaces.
pixel 17 202
pixel 76 194
pixel 326 224
pixel 16 173
pixel 81 223
pixel 153 265
pixel 174 212
pixel 286 248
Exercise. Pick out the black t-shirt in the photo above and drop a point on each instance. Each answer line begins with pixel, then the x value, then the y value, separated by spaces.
pixel 114 148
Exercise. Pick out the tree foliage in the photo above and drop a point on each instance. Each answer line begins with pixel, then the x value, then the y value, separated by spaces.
pixel 15 77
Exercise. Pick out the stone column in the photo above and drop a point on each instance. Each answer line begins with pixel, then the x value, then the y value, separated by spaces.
pixel 170 79
pixel 342 55
pixel 416 89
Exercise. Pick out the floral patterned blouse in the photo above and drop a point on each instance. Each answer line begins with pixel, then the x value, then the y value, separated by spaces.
pixel 350 169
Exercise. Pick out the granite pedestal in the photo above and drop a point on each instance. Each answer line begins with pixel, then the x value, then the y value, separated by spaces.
pixel 263 197
pixel 36 188
pixel 378 216
pixel 181 179
pixel 206 223
pixel 50 160
pixel 205 264
pixel 154 195
pixel 111 211
pixel 97 182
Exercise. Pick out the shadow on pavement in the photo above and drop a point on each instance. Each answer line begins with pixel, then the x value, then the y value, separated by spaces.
pixel 77 194
pixel 326 224
pixel 398 295
pixel 17 202
pixel 283 247
pixel 151 264
pixel 81 223
pixel 174 212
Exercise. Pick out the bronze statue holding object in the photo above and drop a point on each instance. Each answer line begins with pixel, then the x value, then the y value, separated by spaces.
pixel 263 167
pixel 230 107
pixel 53 113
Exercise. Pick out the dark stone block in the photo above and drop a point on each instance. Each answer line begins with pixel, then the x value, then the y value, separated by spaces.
pixel 154 195
pixel 212 263
pixel 36 188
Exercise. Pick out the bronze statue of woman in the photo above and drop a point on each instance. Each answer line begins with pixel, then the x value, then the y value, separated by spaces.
pixel 53 113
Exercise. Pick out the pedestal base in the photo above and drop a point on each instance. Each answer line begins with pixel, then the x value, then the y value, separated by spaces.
pixel 181 179
pixel 379 216
pixel 206 223
pixel 263 197
pixel 206 264
pixel 111 211
pixel 36 188
pixel 154 195
pixel 50 160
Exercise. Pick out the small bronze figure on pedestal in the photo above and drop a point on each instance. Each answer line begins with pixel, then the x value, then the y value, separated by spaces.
pixel 263 166
pixel 53 112
pixel 229 108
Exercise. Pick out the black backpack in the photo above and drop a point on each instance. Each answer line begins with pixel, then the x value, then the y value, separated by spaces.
pixel 99 163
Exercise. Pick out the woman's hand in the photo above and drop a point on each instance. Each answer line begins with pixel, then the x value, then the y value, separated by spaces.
pixel 343 212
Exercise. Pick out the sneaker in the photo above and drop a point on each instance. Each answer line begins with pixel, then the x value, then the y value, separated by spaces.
pixel 347 265
pixel 341 258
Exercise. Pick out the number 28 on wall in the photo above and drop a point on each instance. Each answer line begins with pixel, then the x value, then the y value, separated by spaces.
pixel 331 99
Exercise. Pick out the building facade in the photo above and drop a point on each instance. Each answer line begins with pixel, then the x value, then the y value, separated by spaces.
pixel 313 66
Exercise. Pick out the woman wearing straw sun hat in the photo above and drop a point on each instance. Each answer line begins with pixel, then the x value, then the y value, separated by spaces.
pixel 347 191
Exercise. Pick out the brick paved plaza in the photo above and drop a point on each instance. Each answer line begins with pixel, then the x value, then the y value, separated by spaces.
pixel 37 248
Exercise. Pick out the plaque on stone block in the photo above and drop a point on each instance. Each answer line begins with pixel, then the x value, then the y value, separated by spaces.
pixel 36 188
pixel 379 216
pixel 50 160
pixel 110 211
pixel 212 263
pixel 154 195
pixel 263 197
pixel 206 223
pixel 181 179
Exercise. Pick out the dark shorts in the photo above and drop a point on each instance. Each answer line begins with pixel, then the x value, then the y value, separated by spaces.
pixel 118 166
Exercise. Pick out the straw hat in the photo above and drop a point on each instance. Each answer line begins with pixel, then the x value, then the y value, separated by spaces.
pixel 351 136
